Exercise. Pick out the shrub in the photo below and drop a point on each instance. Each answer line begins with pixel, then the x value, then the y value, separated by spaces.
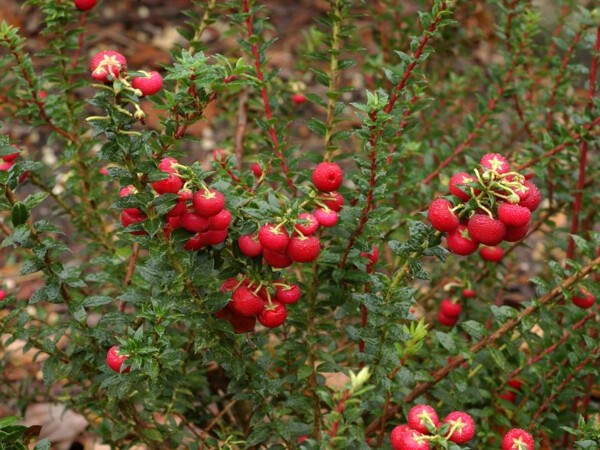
pixel 206 292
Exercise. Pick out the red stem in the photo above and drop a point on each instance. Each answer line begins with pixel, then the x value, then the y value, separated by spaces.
pixel 265 100
pixel 584 150
pixel 375 134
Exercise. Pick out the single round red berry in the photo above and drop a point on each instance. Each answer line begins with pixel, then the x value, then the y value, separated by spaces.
pixel 195 243
pixel 130 216
pixel 170 185
pixel 208 203
pixel 276 259
pixel 584 299
pixel 413 440
pixel 326 217
pixel 273 315
pixel 149 84
pixel 486 230
pixel 462 427
pixel 115 360
pixel 396 436
pixel 460 242
pixel 327 176
pixel 509 396
pixel 250 245
pixel 458 182
pixel 287 294
pixel 468 293
pixel 166 165
pixel 306 223
pixel 421 416
pixel 446 320
pixel 194 222
pixel 273 237
pixel 495 162
pixel 513 215
pixel 491 254
pixel 515 383
pixel 221 220
pixel 245 302
pixel 517 439
pixel 373 256
pixel 298 99
pixel 85 5
pixel 240 324
pixel 256 170
pixel 230 284
pixel 11 157
pixel 441 216
pixel 333 200
pixel 214 237
pixel 105 63
pixel 304 248
pixel 2 295
pixel 533 199
pixel 181 206
pixel 450 308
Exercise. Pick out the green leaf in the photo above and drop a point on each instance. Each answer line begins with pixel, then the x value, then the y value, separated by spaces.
pixel 19 214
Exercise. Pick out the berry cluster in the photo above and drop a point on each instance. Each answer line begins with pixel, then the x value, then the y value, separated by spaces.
pixel 278 246
pixel 252 300
pixel 109 65
pixel 424 428
pixel 492 206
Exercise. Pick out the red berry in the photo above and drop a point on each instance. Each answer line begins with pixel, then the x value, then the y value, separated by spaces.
pixel 412 440
pixel 230 284
pixel 221 220
pixel 420 416
pixel 584 299
pixel 11 157
pixel 462 427
pixel 241 324
pixel 170 185
pixel 517 439
pixel 509 396
pixel 496 162
pixel 107 63
pixel 194 222
pixel 256 170
pixel 250 246
pixel 522 191
pixel 326 217
pixel 115 360
pixel 307 223
pixel 460 243
pixel 2 295
pixel 172 224
pixel 103 170
pixel 484 229
pixel 6 165
pixel 491 254
pixel 273 237
pixel 533 199
pixel 513 215
pixel 440 216
pixel 245 302
pixel 276 259
pixel 130 216
pixel 373 257
pixel 149 84
pixel 298 99
pixel 127 190
pixel 214 237
pixel 287 294
pixel 85 5
pixel 166 165
pixel 514 234
pixel 515 383
pixel 304 249
pixel 181 206
pixel 450 308
pixel 468 293
pixel 195 243
pixel 460 180
pixel 396 436
pixel 273 315
pixel 333 200
pixel 327 176
pixel 208 203
pixel 446 320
